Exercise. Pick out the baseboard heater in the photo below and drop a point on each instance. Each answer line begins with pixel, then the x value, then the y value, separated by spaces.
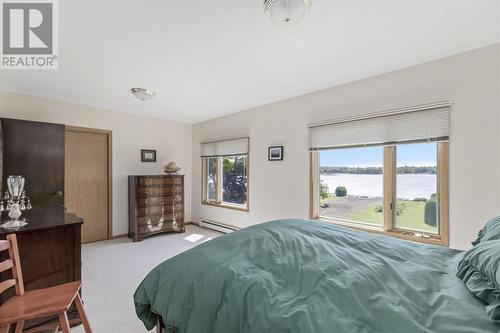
pixel 217 226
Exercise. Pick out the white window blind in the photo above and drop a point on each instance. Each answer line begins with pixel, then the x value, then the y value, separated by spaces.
pixel 225 147
pixel 406 125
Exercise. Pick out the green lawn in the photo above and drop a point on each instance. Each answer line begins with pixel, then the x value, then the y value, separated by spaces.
pixel 412 217
pixel 370 215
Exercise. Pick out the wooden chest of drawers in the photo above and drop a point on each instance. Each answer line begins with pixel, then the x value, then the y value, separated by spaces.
pixel 156 205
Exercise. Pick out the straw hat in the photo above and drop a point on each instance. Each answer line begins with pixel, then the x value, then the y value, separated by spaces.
pixel 171 167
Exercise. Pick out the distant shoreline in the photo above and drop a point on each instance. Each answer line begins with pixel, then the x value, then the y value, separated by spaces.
pixel 402 170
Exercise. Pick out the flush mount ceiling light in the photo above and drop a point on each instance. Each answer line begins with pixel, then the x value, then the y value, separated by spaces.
pixel 286 12
pixel 143 94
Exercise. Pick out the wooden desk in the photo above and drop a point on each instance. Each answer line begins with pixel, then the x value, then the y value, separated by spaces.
pixel 50 250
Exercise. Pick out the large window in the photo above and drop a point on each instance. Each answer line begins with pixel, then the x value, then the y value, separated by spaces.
pixel 225 174
pixel 393 188
pixel 386 172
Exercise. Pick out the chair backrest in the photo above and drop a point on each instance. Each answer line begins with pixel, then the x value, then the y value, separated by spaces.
pixel 14 263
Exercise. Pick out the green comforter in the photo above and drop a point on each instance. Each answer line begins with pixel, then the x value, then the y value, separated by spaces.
pixel 298 276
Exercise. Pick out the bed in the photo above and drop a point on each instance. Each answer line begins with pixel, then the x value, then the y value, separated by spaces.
pixel 299 276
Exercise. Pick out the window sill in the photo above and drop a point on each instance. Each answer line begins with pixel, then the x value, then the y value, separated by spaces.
pixel 229 206
pixel 434 239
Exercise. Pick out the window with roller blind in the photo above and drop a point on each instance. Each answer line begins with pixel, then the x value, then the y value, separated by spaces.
pixel 386 172
pixel 225 173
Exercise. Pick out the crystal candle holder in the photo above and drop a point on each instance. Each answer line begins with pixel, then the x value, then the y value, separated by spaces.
pixel 15 201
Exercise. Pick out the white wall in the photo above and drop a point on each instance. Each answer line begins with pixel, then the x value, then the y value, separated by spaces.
pixel 281 189
pixel 131 133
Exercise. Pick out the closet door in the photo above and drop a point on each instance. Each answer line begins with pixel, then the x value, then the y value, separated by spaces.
pixel 87 181
pixel 35 151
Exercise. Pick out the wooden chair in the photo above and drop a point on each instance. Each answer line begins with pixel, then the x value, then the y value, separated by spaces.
pixel 41 303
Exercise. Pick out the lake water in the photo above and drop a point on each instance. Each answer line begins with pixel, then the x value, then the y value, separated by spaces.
pixel 409 186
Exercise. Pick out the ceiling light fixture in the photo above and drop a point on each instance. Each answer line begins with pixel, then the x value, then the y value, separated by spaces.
pixel 143 94
pixel 286 12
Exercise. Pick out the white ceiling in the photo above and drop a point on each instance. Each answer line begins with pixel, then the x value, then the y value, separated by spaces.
pixel 208 58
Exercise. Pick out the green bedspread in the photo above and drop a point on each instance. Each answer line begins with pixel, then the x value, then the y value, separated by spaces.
pixel 299 276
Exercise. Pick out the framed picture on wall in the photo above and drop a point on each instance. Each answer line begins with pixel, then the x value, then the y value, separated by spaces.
pixel 148 155
pixel 275 153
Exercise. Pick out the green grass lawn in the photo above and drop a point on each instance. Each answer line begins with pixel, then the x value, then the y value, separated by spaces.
pixel 370 215
pixel 412 217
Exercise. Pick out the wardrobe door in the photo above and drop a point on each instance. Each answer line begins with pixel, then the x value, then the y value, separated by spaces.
pixel 35 151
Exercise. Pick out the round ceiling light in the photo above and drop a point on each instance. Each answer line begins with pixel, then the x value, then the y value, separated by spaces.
pixel 143 94
pixel 286 12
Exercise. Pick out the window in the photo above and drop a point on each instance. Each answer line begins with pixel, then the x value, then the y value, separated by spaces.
pixel 234 180
pixel 352 184
pixel 357 186
pixel 416 188
pixel 386 173
pixel 225 174
pixel 225 180
pixel 211 165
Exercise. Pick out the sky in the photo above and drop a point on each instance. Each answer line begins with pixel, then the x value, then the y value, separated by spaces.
pixel 416 154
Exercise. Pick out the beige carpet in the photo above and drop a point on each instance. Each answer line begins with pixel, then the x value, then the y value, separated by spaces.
pixel 113 269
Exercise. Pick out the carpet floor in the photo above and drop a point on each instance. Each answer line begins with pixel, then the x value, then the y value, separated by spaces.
pixel 113 269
